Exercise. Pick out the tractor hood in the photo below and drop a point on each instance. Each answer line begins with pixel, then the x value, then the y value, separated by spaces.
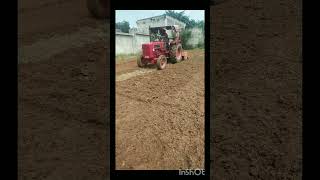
pixel 148 49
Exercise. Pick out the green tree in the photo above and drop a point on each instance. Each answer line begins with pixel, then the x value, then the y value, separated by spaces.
pixel 185 36
pixel 124 26
pixel 190 23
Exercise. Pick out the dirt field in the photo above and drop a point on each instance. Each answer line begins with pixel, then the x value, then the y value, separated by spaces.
pixel 63 97
pixel 62 83
pixel 160 115
pixel 257 94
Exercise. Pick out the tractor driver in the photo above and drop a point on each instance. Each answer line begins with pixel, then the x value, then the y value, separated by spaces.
pixel 165 37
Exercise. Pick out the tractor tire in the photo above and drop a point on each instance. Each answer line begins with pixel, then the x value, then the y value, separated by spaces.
pixel 161 62
pixel 98 8
pixel 140 62
pixel 176 53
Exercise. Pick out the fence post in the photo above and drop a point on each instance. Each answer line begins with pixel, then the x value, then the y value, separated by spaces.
pixel 135 43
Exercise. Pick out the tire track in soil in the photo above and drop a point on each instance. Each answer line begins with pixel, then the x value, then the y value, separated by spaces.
pixel 46 48
pixel 49 18
pixel 135 73
pixel 160 118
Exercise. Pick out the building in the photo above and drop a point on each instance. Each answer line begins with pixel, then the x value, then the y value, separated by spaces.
pixel 133 30
pixel 157 21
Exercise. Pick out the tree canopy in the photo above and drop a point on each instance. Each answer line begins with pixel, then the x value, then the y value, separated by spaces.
pixel 190 23
pixel 124 26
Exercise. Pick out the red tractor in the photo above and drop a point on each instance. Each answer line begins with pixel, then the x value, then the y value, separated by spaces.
pixel 162 47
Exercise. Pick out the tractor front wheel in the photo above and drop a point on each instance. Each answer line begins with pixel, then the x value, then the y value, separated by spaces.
pixel 161 62
pixel 140 61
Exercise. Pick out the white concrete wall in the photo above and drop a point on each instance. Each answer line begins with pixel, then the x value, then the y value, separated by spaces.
pixel 130 43
pixel 124 43
pixel 139 40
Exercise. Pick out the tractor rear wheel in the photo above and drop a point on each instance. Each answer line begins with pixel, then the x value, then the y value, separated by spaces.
pixel 140 61
pixel 176 53
pixel 161 62
pixel 98 8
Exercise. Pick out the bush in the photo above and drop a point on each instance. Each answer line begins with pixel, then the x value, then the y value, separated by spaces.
pixel 200 46
pixel 185 36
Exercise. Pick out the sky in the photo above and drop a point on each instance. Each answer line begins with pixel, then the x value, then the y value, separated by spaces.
pixel 133 15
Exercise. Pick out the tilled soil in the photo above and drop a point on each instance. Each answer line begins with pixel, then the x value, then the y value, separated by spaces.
pixel 257 94
pixel 63 99
pixel 62 117
pixel 160 117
